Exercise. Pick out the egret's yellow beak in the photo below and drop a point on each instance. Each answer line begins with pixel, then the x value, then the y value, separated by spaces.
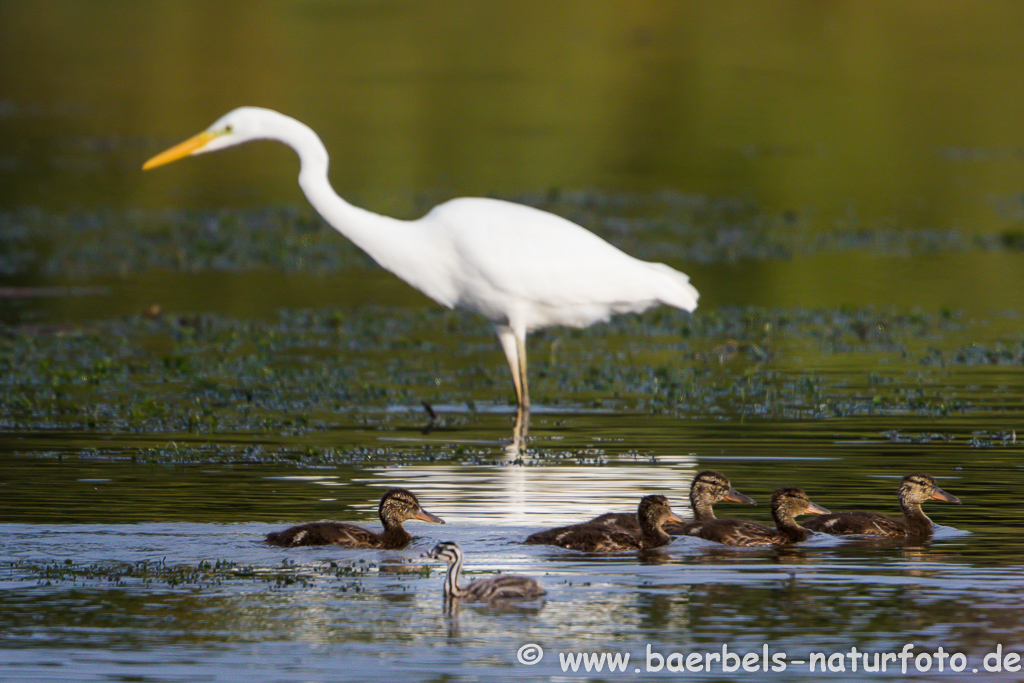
pixel 180 150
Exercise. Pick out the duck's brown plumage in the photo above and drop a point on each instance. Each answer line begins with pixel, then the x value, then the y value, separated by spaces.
pixel 652 513
pixel 787 504
pixel 504 587
pixel 914 490
pixel 707 488
pixel 396 506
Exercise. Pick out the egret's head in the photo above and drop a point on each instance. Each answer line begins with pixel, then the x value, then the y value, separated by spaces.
pixel 237 126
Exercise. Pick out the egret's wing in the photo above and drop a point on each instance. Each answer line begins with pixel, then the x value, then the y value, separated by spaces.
pixel 543 260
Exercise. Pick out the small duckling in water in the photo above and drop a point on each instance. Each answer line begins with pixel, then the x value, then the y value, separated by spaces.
pixel 504 587
pixel 787 504
pixel 914 490
pixel 652 514
pixel 396 506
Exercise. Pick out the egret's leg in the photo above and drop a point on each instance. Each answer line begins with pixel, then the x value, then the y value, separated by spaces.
pixel 518 446
pixel 524 397
pixel 510 346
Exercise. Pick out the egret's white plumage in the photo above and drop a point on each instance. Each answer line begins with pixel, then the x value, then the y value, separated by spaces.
pixel 520 267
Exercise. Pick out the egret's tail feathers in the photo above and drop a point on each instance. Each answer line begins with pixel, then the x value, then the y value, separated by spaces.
pixel 677 291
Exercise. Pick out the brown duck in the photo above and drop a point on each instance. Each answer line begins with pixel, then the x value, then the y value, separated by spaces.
pixel 787 504
pixel 504 587
pixel 652 513
pixel 707 488
pixel 914 490
pixel 396 506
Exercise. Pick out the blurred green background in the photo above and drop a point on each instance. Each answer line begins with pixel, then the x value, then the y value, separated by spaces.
pixel 908 112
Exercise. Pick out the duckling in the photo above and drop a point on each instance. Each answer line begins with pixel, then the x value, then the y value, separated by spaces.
pixel 707 488
pixel 396 506
pixel 787 504
pixel 504 587
pixel 652 513
pixel 914 490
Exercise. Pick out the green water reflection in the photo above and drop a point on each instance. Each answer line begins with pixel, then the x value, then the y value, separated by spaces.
pixel 905 114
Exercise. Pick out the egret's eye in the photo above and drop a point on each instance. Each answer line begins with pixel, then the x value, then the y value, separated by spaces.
pixel 228 128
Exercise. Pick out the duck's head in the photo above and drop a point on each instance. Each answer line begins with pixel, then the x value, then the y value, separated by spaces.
pixel 654 511
pixel 791 502
pixel 713 487
pixel 917 488
pixel 398 505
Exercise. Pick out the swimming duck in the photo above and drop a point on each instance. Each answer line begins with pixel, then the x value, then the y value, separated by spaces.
pixel 652 513
pixel 396 506
pixel 504 587
pixel 914 490
pixel 707 488
pixel 787 504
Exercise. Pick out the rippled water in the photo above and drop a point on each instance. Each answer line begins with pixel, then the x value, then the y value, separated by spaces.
pixel 142 593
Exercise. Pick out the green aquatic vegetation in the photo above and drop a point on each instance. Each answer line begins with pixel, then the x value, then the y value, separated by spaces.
pixel 204 574
pixel 662 226
pixel 1012 239
pixel 117 243
pixel 988 439
pixel 202 376
pixel 984 354
pixel 896 436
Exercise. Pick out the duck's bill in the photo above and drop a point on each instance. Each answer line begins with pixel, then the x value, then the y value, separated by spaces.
pixel 675 518
pixel 737 497
pixel 944 497
pixel 815 509
pixel 425 516
pixel 190 146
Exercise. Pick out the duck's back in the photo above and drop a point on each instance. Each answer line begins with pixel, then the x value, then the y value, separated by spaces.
pixel 737 532
pixel 590 538
pixel 503 588
pixel 325 533
pixel 856 522
pixel 627 521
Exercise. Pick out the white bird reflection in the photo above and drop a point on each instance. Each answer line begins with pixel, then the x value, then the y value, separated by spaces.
pixel 510 495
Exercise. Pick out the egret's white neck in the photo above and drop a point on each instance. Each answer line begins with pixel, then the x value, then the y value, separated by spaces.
pixel 349 220
pixel 391 242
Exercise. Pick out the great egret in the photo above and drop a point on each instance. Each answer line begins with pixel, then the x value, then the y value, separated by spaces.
pixel 519 267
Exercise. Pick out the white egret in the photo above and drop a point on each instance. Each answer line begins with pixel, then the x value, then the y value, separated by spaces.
pixel 519 267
